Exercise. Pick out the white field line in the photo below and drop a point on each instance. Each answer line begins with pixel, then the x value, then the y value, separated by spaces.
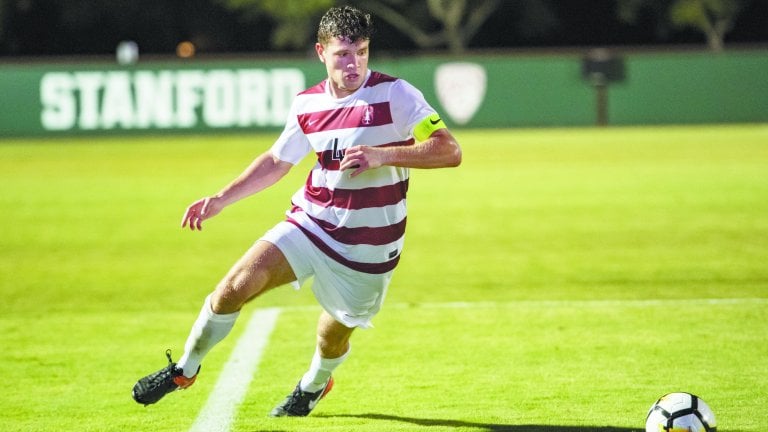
pixel 564 303
pixel 219 412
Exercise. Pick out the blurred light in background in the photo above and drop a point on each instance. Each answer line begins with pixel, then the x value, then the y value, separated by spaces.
pixel 127 53
pixel 185 49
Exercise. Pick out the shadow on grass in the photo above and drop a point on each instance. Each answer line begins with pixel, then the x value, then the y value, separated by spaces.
pixel 488 427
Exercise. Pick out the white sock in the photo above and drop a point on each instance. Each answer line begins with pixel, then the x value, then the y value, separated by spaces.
pixel 319 371
pixel 208 330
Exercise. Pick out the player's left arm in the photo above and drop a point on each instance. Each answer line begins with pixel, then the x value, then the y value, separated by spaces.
pixel 435 147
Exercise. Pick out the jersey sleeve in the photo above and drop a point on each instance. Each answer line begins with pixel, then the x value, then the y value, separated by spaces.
pixel 292 144
pixel 410 109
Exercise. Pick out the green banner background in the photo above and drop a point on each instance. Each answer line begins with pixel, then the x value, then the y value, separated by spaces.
pixel 522 90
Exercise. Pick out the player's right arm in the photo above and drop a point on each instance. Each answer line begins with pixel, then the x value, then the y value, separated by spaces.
pixel 263 172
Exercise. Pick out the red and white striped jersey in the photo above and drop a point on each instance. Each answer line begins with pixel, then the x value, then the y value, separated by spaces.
pixel 360 221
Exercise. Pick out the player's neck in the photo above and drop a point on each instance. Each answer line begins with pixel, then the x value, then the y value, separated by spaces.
pixel 339 93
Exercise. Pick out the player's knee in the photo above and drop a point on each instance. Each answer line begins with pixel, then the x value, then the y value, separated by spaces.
pixel 223 302
pixel 233 292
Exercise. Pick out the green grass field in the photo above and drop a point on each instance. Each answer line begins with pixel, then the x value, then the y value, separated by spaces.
pixel 559 280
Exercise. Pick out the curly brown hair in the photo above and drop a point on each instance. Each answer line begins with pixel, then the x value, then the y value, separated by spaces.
pixel 345 22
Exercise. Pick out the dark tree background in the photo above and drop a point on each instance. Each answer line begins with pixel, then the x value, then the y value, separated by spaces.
pixel 95 27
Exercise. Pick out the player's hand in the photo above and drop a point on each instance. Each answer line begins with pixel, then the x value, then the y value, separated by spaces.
pixel 361 158
pixel 199 211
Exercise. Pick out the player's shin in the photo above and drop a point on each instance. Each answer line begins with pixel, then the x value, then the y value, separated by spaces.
pixel 320 370
pixel 208 330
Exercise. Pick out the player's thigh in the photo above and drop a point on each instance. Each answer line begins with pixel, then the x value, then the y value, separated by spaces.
pixel 260 269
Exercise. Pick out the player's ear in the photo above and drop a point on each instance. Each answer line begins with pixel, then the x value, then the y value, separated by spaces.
pixel 320 49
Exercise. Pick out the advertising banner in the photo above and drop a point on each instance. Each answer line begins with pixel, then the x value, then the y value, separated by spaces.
pixel 477 91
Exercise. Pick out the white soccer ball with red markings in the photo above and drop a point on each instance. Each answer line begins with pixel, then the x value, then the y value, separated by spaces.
pixel 680 412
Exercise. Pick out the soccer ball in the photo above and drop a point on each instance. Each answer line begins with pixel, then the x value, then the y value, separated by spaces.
pixel 680 412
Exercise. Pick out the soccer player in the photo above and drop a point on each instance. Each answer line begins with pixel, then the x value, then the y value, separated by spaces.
pixel 345 226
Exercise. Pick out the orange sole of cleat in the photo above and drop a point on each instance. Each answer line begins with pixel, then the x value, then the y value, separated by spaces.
pixel 184 382
pixel 327 388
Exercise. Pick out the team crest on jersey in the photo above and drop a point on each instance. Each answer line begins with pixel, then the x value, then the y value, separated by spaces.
pixel 367 115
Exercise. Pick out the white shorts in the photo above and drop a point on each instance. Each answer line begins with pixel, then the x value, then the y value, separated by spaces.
pixel 350 296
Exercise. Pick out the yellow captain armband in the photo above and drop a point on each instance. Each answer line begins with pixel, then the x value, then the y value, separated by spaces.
pixel 426 127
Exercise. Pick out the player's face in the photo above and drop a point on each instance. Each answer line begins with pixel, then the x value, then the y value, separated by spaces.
pixel 346 63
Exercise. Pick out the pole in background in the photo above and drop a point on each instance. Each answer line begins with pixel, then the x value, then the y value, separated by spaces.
pixel 600 67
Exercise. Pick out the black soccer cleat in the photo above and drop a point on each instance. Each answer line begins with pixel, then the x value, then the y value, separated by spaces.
pixel 153 387
pixel 301 403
